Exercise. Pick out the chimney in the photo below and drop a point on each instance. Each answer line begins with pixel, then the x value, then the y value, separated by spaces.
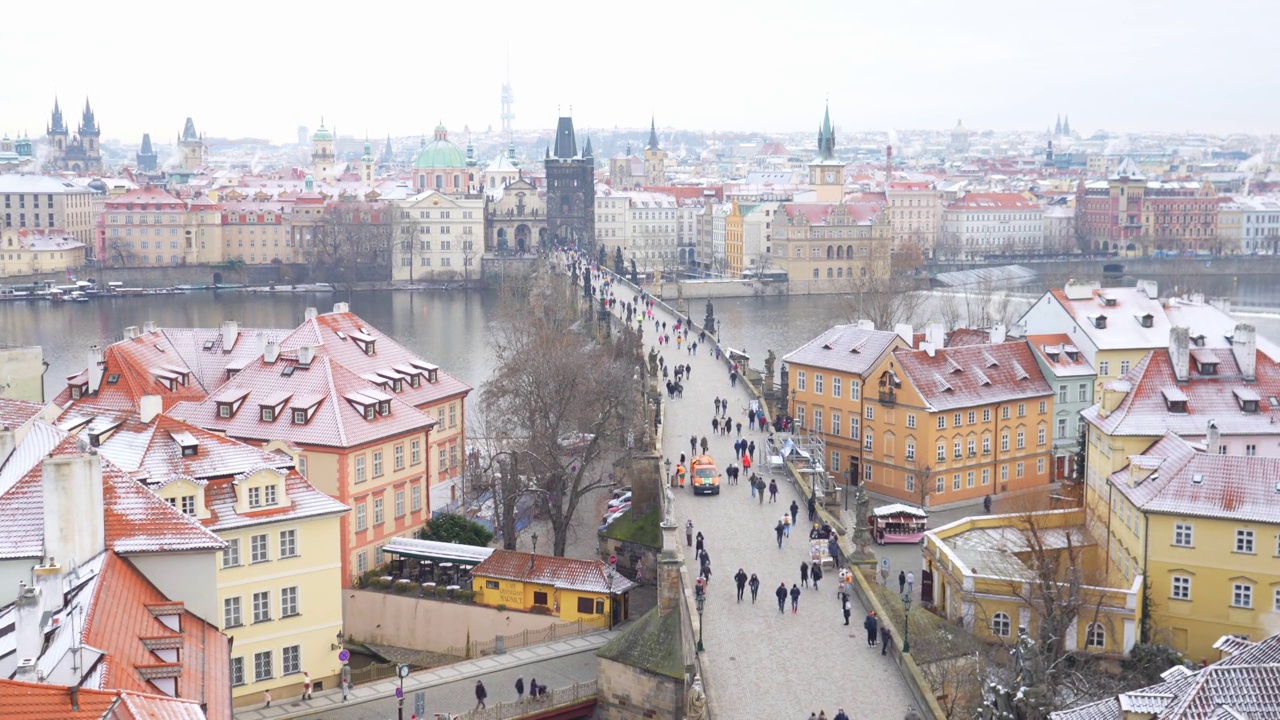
pixel 48 577
pixel 905 332
pixel 130 332
pixel 94 365
pixel 26 671
pixel 342 307
pixel 1222 304
pixel 1180 353
pixel 271 353
pixel 998 333
pixel 929 348
pixel 865 324
pixel 1244 346
pixel 149 326
pixel 310 314
pixel 306 353
pixel 1150 288
pixel 935 333
pixel 149 406
pixel 73 520
pixel 1113 393
pixel 1212 438
pixel 7 443
pixel 230 331
pixel 1080 289
pixel 29 643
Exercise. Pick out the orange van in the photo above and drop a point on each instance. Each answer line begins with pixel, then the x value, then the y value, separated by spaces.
pixel 705 475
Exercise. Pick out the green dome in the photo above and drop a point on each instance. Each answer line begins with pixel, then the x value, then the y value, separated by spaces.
pixel 322 134
pixel 440 154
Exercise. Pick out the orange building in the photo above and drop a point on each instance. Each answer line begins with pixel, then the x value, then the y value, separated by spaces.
pixel 950 424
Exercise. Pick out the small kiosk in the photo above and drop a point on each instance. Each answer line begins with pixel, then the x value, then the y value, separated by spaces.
pixel 898 523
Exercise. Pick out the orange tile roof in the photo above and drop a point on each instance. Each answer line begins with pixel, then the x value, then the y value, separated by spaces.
pixel 559 572
pixel 41 701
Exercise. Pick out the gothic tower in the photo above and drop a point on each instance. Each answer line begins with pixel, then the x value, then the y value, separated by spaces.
pixel 90 134
pixel 655 159
pixel 192 147
pixel 57 135
pixel 826 173
pixel 146 157
pixel 571 209
pixel 322 157
pixel 366 163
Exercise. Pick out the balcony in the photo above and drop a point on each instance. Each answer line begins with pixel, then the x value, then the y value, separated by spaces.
pixel 888 396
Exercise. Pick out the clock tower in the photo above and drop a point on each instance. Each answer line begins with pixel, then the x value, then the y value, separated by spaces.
pixel 826 173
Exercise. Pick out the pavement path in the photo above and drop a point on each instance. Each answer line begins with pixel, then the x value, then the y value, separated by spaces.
pixel 761 663
pixel 451 688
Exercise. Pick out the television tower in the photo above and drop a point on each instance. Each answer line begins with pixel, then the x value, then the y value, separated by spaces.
pixel 508 100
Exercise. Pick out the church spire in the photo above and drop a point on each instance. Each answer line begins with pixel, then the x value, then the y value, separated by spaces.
pixel 826 137
pixel 653 134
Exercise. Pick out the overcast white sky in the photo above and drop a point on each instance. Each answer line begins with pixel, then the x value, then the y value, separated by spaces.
pixel 263 68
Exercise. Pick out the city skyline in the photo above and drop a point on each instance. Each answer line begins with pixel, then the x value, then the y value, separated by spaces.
pixel 1002 66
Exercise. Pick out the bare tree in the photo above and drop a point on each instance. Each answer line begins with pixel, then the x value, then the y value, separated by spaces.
pixel 885 300
pixel 352 243
pixel 493 473
pixel 469 254
pixel 568 403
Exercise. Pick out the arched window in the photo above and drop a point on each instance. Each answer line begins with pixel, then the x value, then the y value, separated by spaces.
pixel 439 182
pixel 815 273
pixel 848 251
pixel 1095 636
pixel 1000 625
pixel 830 252
pixel 839 272
pixel 830 273
pixel 457 181
pixel 862 272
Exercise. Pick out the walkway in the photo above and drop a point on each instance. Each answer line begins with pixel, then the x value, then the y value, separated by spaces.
pixel 451 688
pixel 761 663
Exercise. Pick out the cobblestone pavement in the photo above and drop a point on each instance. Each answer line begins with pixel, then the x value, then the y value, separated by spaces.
pixel 450 688
pixel 761 663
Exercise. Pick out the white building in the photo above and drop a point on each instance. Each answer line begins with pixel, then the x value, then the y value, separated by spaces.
pixel 1260 223
pixel 438 236
pixel 719 261
pixel 646 225
pixel 980 224
pixel 757 235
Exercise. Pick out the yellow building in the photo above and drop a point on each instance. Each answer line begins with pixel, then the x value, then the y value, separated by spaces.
pixel 733 240
pixel 826 377
pixel 952 424
pixel 567 588
pixel 279 580
pixel 39 252
pixel 982 571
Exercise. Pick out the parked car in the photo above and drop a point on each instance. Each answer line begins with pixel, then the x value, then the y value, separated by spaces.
pixel 618 500
pixel 624 490
pixel 613 514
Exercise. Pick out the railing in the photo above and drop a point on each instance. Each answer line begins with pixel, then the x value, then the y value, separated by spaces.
pixel 554 698
pixel 551 633
pixel 888 397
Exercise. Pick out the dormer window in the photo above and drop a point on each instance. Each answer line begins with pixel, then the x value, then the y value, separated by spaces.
pixel 1247 400
pixel 1175 401
pixel 1146 320
pixel 384 408
pixel 229 402
pixel 397 385
pixel 414 380
pixel 299 416
pixel 113 378
pixel 1197 340
pixel 1099 321
pixel 1107 300
pixel 433 375
pixel 79 391
pixel 268 414
pixel 369 412
pixel 224 410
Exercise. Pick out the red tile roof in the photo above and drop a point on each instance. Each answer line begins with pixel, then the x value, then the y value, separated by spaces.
pixel 989 202
pixel 558 572
pixel 139 363
pixel 1053 349
pixel 820 213
pixel 973 374
pixel 146 198
pixel 40 701
pixel 15 413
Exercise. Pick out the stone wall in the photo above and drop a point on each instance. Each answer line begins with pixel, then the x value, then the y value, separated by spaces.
pixel 628 553
pixel 628 693
pixel 22 373
pixel 433 625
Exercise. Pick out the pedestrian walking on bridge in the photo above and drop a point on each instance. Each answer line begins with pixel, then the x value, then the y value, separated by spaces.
pixel 778 531
pixel 688 532
pixel 804 574
pixel 795 599
pixel 754 583
pixel 871 626
pixel 740 579
pixel 795 510
pixel 781 592
pixel 816 574
pixel 773 491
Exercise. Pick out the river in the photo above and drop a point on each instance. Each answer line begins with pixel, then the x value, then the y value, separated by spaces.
pixel 451 329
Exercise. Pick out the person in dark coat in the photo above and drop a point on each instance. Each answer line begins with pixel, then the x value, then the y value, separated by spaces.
pixel 781 592
pixel 902 582
pixel 688 535
pixel 986 504
pixel 840 715
pixel 697 548
pixel 847 607
pixel 795 510
pixel 741 579
pixel 773 491
pixel 751 450
pixel 481 694
pixel 779 529
pixel 813 508
pixel 871 626
pixel 754 583
pixel 804 574
pixel 520 689
pixel 815 574
pixel 795 599
pixel 704 444
pixel 885 638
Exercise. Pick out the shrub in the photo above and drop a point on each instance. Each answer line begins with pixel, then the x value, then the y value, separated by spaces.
pixel 540 610
pixel 448 527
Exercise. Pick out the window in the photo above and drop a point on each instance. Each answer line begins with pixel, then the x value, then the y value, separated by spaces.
pixel 1124 367
pixel 1182 534
pixel 1083 393
pixel 291 660
pixel 269 495
pixel 1181 588
pixel 1062 427
pixel 1001 625
pixel 1039 466
pixel 360 469
pixel 854 428
pixel 986 415
pixel 1017 470
pixel 377 463
pixel 1022 439
pixel 255 497
pixel 1022 409
pixel 377 511
pixel 855 390
pixel 288 601
pixel 1250 450
pixel 1004 413
pixel 1040 435
pixel 262 666
pixel 817 383
pixel 288 543
pixel 415 498
pixel 835 461
pixel 911 450
pixel 1062 393
pixel 800 384
pixel 972 447
pixel 1044 406
pixel 237 671
pixel 866 441
pixel 231 616
pixel 1095 636
pixel 1004 442
pixel 955 421
pixel 986 444
pixel 942 422
pixel 942 451
pixel 986 476
pixel 911 483
pixel 956 449
pixel 1242 595
pixel 400 503
pixel 262 606
pixel 968 480
pixel 258 549
pixel 871 412
pixel 398 457
pixel 415 452
pixel 972 417
pixel 941 484
pixel 362 562
pixel 231 553
pixel 268 414
pixel 835 387
pixel 866 472
pixel 299 417
pixel 1004 472
pixel 955 481
pixel 911 420
pixel 1244 541
pixel 1104 369
pixel 817 421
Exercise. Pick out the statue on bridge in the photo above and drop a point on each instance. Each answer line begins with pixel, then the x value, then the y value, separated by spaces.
pixel 668 506
pixel 695 707
pixel 769 362
pixel 709 322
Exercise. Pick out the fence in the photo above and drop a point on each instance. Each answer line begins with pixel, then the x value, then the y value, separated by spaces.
pixel 554 698
pixel 551 633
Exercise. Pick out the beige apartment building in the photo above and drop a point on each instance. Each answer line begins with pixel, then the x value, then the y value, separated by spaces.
pixel 39 252
pixel 438 236
pixel 914 213
pixel 43 202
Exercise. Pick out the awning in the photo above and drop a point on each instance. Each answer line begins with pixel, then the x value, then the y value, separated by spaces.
pixel 469 555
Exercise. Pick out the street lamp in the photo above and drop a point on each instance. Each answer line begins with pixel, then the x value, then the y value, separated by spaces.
pixel 535 542
pixel 906 623
pixel 667 463
pixel 702 601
